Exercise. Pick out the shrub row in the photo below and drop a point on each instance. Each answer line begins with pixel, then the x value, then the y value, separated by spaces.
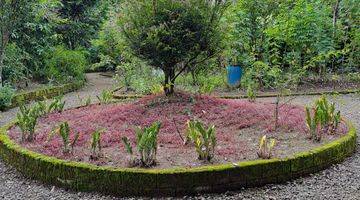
pixel 44 93
pixel 176 181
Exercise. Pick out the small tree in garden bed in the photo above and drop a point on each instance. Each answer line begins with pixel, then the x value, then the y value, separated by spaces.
pixel 146 142
pixel 203 139
pixel 171 35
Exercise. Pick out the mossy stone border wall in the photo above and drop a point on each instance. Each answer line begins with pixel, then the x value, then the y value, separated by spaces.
pixel 41 94
pixel 265 95
pixel 176 181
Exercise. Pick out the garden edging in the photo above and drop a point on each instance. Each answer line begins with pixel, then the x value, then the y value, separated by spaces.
pixel 265 95
pixel 41 94
pixel 176 181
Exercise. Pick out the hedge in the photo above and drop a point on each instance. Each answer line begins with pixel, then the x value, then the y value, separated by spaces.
pixel 41 94
pixel 175 181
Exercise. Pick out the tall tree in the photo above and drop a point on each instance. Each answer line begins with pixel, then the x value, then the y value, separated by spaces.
pixel 81 21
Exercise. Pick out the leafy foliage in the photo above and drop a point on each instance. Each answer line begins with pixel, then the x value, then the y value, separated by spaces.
pixel 64 132
pixel 146 142
pixel 105 97
pixel 57 105
pixel 27 119
pixel 266 148
pixel 95 146
pixel 6 95
pixel 324 120
pixel 64 65
pixel 203 139
pixel 172 35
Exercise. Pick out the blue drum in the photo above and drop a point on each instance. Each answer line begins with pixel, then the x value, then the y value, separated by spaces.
pixel 234 74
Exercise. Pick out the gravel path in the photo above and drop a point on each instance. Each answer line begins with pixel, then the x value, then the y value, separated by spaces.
pixel 338 182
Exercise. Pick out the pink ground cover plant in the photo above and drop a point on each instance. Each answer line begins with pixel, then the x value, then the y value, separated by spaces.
pixel 120 120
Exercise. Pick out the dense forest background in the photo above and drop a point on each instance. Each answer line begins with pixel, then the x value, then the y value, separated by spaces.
pixel 55 41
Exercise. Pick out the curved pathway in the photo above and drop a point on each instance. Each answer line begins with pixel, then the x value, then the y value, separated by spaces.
pixel 341 181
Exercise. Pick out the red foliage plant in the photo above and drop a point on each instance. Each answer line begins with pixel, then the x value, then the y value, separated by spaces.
pixel 119 120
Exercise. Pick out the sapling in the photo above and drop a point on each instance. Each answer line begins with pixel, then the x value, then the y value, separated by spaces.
pixel 146 142
pixel 203 139
pixel 266 148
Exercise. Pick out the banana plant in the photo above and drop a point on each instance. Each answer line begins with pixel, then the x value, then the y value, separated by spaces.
pixel 203 139
pixel 266 148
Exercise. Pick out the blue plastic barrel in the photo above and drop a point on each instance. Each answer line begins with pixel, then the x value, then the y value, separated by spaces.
pixel 234 74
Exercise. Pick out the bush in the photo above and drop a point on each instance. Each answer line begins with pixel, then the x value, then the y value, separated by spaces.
pixel 6 95
pixel 65 65
pixel 15 71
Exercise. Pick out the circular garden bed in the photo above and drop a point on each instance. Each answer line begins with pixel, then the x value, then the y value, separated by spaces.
pixel 239 126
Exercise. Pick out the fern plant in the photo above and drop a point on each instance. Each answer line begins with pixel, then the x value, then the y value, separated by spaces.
pixel 146 142
pixel 64 132
pixel 26 120
pixel 105 97
pixel 57 105
pixel 266 148
pixel 95 146
pixel 203 139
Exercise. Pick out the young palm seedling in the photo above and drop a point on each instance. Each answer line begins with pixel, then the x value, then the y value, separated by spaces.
pixel 57 105
pixel 146 142
pixel 26 120
pixel 105 97
pixel 203 139
pixel 84 102
pixel 95 146
pixel 266 148
pixel 64 132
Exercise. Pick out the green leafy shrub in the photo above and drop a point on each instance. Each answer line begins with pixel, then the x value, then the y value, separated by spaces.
pixel 203 139
pixel 64 132
pixel 146 142
pixel 95 146
pixel 6 95
pixel 266 148
pixel 65 65
pixel 324 120
pixel 15 71
pixel 57 105
pixel 26 120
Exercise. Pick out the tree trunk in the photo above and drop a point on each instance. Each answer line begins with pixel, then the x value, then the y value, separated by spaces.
pixel 335 16
pixel 169 82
